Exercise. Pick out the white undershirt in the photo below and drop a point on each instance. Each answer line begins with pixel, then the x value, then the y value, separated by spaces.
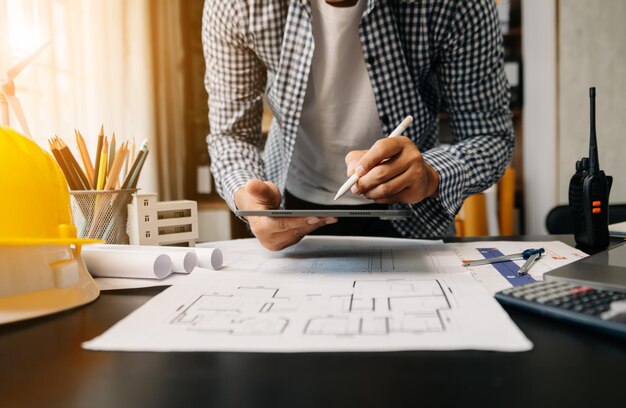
pixel 339 112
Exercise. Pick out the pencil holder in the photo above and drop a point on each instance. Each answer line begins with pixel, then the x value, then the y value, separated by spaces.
pixel 102 214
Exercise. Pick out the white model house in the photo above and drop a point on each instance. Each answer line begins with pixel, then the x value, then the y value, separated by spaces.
pixel 162 223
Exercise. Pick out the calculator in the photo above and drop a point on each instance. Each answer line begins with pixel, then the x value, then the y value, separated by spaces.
pixel 598 309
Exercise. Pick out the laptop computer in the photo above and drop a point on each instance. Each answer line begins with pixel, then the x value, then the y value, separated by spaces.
pixel 604 270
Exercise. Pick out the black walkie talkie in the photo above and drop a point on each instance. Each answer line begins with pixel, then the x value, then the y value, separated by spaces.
pixel 589 193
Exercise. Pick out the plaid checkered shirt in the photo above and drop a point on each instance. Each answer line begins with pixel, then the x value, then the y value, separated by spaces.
pixel 422 57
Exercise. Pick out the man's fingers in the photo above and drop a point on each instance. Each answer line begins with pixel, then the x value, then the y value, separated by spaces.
pixel 352 158
pixel 390 187
pixel 400 197
pixel 289 223
pixel 277 239
pixel 283 239
pixel 381 150
pixel 379 175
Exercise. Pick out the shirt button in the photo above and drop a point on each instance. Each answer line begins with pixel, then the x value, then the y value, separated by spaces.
pixel 385 120
pixel 371 60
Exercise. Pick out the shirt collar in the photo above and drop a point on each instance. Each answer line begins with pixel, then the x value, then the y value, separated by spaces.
pixel 307 4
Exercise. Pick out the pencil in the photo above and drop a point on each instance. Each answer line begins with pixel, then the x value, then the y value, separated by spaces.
pixel 138 172
pixel 96 174
pixel 61 161
pixel 73 165
pixel 84 154
pixel 111 153
pixel 129 157
pixel 102 171
pixel 133 175
pixel 63 152
pixel 113 177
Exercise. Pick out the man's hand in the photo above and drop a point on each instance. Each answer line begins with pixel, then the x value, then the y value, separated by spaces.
pixel 392 171
pixel 274 233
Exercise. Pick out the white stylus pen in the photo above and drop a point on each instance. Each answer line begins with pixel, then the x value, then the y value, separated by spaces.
pixel 354 178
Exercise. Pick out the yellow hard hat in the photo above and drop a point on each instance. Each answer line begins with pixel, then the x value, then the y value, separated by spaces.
pixel 40 273
pixel 36 208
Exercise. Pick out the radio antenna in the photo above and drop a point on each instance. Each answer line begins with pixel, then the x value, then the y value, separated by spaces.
pixel 594 162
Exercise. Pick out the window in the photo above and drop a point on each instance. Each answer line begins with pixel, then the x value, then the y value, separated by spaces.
pixel 92 74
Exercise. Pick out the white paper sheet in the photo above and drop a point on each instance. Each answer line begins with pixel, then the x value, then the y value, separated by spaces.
pixel 618 229
pixel 260 312
pixel 324 294
pixel 323 255
pixel 494 278
pixel 320 255
pixel 336 294
pixel 136 283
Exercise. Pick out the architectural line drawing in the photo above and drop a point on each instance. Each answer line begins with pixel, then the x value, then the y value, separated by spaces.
pixel 361 307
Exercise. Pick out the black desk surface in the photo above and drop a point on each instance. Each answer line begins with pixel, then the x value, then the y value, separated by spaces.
pixel 42 365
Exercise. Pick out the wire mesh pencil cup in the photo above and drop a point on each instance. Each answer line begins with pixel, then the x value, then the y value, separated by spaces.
pixel 102 214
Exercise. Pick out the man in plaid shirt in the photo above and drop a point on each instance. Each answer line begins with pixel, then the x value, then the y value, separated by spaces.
pixel 339 75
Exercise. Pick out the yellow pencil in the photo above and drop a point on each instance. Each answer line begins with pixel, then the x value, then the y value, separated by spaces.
pixel 96 174
pixel 102 171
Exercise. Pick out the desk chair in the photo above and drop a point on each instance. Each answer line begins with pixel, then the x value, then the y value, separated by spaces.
pixel 559 219
pixel 490 207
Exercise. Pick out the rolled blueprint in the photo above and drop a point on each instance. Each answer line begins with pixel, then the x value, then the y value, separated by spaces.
pixel 206 257
pixel 211 258
pixel 184 260
pixel 112 263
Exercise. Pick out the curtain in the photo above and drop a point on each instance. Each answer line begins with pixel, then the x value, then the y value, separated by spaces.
pixel 97 71
pixel 169 61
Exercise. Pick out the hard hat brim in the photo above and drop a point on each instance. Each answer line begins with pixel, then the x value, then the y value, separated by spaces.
pixel 50 241
pixel 44 302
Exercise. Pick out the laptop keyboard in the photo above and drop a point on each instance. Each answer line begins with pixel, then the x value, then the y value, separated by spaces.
pixel 596 308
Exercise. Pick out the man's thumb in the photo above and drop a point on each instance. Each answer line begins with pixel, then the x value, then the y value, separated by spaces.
pixel 264 192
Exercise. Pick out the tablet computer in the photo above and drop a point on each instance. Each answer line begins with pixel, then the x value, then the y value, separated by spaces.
pixel 382 214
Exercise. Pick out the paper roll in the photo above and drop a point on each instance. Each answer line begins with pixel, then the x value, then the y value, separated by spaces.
pixel 126 263
pixel 182 261
pixel 211 258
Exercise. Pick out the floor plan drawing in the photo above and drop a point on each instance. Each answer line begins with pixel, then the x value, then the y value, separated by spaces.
pixel 383 306
pixel 324 294
pixel 252 311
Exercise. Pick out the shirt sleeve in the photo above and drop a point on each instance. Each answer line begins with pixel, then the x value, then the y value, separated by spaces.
pixel 235 81
pixel 475 90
